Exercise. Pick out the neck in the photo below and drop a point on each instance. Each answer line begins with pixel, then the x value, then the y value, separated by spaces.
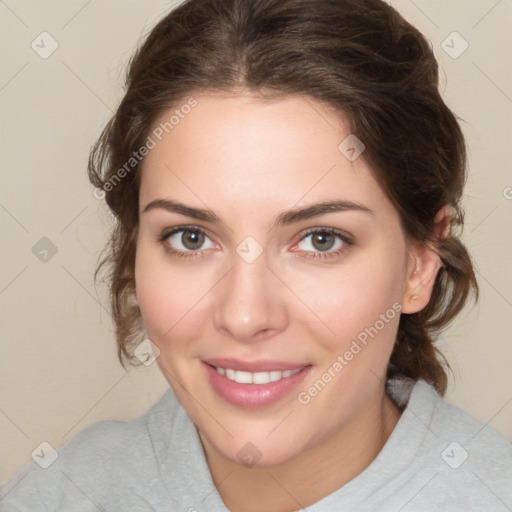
pixel 313 474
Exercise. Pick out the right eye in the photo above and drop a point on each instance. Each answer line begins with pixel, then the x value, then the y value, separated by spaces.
pixel 184 241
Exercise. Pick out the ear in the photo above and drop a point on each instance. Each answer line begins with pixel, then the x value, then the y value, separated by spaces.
pixel 424 264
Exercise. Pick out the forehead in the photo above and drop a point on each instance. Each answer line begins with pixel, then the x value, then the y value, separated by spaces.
pixel 243 149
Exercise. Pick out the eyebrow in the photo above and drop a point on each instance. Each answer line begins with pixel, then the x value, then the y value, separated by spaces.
pixel 284 218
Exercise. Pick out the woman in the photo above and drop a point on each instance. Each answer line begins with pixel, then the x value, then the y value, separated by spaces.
pixel 287 182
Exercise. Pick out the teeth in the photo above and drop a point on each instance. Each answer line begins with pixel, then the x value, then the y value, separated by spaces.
pixel 243 377
pixel 275 376
pixel 257 377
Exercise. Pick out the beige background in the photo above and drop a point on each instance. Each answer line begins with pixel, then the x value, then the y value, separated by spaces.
pixel 58 366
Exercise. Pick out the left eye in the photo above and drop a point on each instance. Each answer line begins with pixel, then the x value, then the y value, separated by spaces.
pixel 323 240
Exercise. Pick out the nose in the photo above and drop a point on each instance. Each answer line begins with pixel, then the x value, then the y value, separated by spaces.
pixel 250 303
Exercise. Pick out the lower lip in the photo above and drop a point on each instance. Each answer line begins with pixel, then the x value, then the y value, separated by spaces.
pixel 253 396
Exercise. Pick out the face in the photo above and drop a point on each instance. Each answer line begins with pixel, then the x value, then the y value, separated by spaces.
pixel 238 268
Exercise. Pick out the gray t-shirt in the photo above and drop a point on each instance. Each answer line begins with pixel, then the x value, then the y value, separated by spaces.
pixel 437 458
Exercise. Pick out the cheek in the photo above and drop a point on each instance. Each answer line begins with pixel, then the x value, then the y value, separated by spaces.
pixel 354 299
pixel 167 296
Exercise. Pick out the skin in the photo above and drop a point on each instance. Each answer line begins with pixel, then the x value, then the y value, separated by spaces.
pixel 248 159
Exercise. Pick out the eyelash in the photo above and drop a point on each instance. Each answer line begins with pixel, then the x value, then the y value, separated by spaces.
pixel 347 241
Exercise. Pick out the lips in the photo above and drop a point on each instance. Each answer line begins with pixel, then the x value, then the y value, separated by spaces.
pixel 253 384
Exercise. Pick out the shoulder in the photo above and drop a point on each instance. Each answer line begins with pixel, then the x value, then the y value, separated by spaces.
pixel 117 443
pixel 468 461
pixel 104 458
pixel 446 421
pixel 450 423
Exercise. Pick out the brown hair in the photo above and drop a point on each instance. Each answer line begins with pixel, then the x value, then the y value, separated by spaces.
pixel 359 57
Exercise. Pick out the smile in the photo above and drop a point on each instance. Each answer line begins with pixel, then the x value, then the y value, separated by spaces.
pixel 261 387
pixel 256 378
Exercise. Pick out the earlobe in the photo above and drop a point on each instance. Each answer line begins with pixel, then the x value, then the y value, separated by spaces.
pixel 420 283
pixel 424 266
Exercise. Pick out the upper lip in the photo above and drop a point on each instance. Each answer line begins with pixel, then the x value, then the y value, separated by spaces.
pixel 253 366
